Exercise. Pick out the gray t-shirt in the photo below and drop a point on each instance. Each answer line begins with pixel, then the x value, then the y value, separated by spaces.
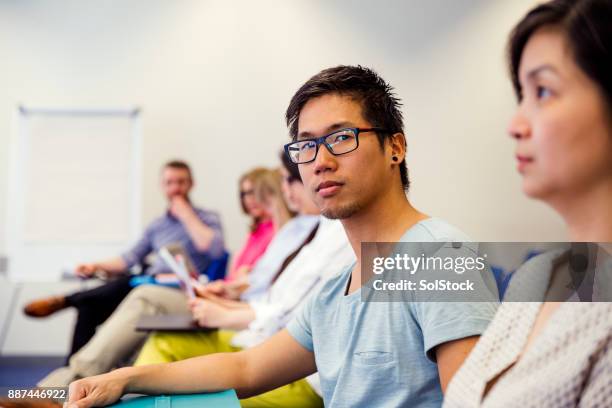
pixel 381 353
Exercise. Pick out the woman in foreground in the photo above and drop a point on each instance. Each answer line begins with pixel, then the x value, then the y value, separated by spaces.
pixel 550 353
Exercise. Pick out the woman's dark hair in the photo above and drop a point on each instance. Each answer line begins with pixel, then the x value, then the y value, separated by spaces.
pixel 587 26
pixel 291 167
pixel 379 104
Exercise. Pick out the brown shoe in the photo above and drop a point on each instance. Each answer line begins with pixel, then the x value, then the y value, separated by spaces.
pixel 45 307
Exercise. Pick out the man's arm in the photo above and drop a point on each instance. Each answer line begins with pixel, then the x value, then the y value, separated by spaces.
pixel 120 264
pixel 201 234
pixel 451 355
pixel 113 266
pixel 276 362
pixel 140 250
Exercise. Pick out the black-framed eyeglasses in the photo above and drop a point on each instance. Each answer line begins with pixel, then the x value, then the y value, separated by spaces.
pixel 245 193
pixel 338 142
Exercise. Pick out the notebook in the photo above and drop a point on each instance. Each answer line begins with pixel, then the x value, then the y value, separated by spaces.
pixel 223 399
pixel 177 322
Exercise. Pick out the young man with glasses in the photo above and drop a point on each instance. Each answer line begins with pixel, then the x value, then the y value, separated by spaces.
pixel 348 139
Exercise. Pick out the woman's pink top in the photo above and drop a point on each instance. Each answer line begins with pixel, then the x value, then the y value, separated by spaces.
pixel 254 248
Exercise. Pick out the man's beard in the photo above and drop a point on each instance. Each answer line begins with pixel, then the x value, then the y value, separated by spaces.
pixel 342 212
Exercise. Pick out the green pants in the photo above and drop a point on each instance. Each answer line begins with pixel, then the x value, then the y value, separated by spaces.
pixel 166 347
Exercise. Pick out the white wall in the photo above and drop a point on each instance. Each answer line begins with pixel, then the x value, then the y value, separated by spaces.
pixel 214 77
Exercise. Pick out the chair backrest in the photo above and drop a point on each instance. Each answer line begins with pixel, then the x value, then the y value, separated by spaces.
pixel 503 278
pixel 217 268
pixel 499 274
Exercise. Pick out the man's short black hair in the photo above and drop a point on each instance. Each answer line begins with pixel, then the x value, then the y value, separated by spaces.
pixel 380 106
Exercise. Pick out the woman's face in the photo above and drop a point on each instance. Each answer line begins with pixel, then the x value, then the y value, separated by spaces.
pixel 247 193
pixel 293 200
pixel 296 196
pixel 562 126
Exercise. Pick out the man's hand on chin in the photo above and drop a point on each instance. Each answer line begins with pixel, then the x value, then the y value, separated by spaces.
pixel 180 208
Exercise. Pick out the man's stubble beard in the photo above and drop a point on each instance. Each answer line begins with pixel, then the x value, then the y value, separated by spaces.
pixel 342 212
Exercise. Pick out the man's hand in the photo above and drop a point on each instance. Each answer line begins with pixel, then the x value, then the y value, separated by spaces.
pixel 180 208
pixel 97 391
pixel 202 235
pixel 86 270
pixel 112 266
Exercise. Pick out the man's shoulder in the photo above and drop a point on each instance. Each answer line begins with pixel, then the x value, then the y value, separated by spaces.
pixel 159 221
pixel 434 230
pixel 206 214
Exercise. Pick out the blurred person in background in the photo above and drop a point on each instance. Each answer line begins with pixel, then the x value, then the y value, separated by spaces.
pixel 117 339
pixel 262 226
pixel 197 230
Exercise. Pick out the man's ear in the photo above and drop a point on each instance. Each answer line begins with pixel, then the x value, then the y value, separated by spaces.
pixel 397 144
